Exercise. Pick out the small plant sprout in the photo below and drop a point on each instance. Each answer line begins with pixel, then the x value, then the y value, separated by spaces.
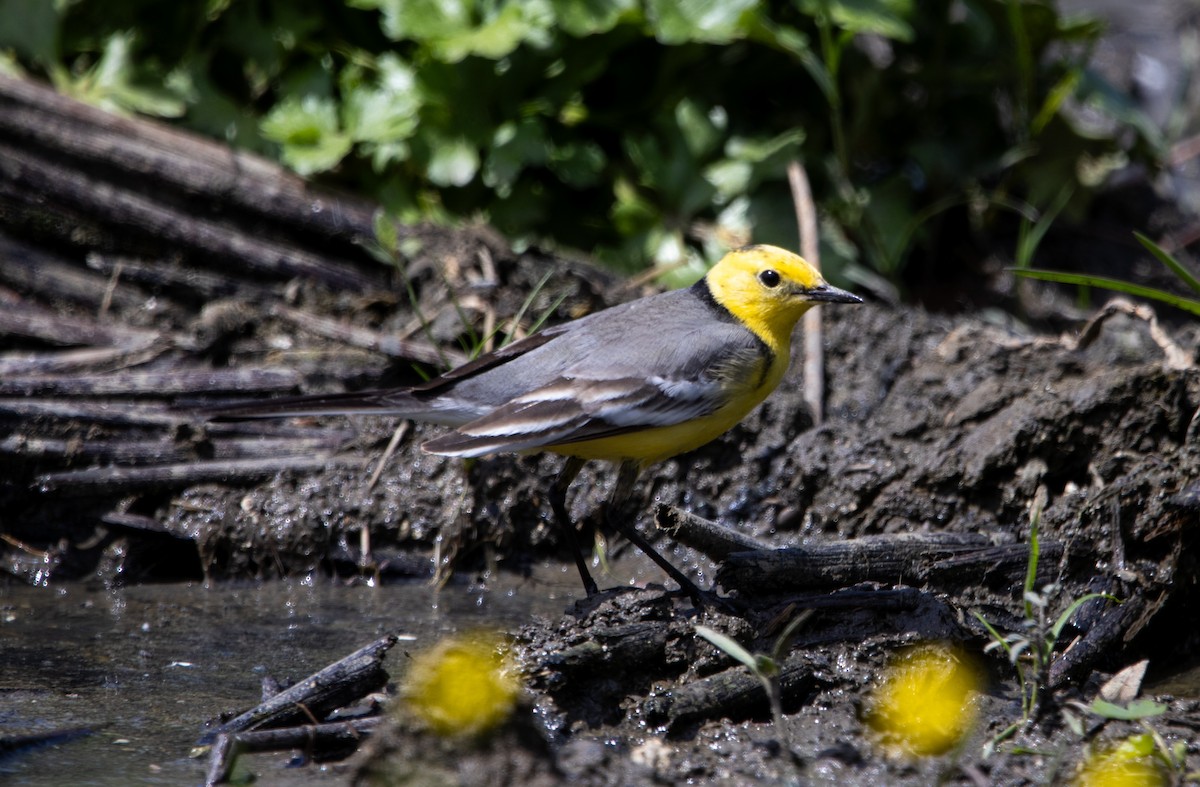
pixel 764 667
pixel 1031 650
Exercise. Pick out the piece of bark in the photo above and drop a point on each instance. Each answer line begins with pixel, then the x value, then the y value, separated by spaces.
pixel 109 413
pixel 315 697
pixel 33 270
pixel 126 210
pixel 77 360
pixel 613 647
pixel 139 179
pixel 1110 633
pixel 165 450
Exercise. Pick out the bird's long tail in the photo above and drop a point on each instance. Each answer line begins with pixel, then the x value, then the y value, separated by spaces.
pixel 392 402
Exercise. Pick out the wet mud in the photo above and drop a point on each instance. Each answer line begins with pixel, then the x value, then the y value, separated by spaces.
pixel 956 429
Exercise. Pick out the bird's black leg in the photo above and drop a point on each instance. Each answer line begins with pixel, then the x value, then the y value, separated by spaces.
pixel 626 477
pixel 558 502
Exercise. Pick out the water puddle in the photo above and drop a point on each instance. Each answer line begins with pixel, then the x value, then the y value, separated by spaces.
pixel 144 667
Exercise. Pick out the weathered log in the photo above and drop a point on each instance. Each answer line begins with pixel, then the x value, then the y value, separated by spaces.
pixel 168 185
pixel 910 559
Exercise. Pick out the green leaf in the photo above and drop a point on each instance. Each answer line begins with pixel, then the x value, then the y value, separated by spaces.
pixel 706 21
pixel 110 83
pixel 1137 290
pixel 887 18
pixel 382 115
pixel 730 177
pixel 308 130
pixel 420 20
pixel 702 130
pixel 1099 95
pixel 453 163
pixel 517 22
pixel 31 28
pixel 588 17
pixel 1163 256
pixel 579 165
pixel 515 146
pixel 730 646
pixel 1138 709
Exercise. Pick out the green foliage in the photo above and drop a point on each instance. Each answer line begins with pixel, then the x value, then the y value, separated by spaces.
pixel 1188 304
pixel 639 130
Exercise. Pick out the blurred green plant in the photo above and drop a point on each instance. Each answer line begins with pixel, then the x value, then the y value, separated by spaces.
pixel 642 131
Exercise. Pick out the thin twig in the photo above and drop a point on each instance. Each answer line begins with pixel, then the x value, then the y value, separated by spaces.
pixel 364 534
pixel 814 357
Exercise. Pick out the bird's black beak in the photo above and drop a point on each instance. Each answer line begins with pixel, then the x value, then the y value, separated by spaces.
pixel 828 294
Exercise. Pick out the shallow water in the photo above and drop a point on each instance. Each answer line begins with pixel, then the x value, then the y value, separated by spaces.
pixel 145 667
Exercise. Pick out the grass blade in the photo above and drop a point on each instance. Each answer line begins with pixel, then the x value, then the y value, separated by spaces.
pixel 1084 280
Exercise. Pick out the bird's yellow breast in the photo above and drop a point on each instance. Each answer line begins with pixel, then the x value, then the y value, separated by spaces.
pixel 654 444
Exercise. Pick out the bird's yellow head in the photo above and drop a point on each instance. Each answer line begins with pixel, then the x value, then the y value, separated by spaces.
pixel 768 289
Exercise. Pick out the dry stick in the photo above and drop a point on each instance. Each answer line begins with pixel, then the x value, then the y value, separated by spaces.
pixel 806 220
pixel 389 345
pixel 150 384
pixel 310 737
pixel 711 538
pixel 333 687
pixel 120 479
pixel 364 533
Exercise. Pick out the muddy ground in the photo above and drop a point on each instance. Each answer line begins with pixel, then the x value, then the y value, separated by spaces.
pixel 934 425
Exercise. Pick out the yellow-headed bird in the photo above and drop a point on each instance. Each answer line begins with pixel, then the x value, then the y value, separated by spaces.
pixel 633 384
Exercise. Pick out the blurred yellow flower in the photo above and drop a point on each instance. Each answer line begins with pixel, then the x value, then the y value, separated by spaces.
pixel 463 685
pixel 925 703
pixel 1132 763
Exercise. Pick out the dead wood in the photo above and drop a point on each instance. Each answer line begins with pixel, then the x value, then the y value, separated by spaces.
pixel 734 693
pixel 318 741
pixel 940 559
pixel 116 479
pixel 168 382
pixel 315 697
pixel 704 535
pixel 168 185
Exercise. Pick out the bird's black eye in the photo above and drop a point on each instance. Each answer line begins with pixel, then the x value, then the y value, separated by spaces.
pixel 769 278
